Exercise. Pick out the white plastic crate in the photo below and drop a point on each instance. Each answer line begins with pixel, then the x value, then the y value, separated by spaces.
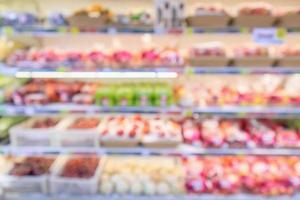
pixel 23 184
pixel 69 137
pixel 74 186
pixel 24 135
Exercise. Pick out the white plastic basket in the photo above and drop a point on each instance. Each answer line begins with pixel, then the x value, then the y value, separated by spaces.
pixel 24 184
pixel 24 135
pixel 74 186
pixel 76 137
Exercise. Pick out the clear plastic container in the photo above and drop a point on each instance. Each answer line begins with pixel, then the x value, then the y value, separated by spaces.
pixel 23 184
pixel 73 137
pixel 74 186
pixel 112 139
pixel 25 135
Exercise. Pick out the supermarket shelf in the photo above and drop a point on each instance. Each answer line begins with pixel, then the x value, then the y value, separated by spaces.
pixel 68 72
pixel 182 197
pixel 52 31
pixel 182 149
pixel 225 111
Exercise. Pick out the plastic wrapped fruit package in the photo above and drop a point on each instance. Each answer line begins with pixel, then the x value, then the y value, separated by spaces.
pixel 163 132
pixel 289 56
pixel 149 57
pixel 291 89
pixel 122 130
pixel 248 174
pixel 254 14
pixel 252 55
pixel 209 16
pixel 27 174
pixel 288 17
pixel 122 59
pixel 208 54
pixel 76 175
pixel 142 176
pixel 78 131
pixel 171 57
pixel 191 132
pixel 39 92
pixel 267 90
pixel 35 132
pixel 51 58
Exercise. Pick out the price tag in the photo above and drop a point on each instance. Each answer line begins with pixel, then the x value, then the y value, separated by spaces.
pixel 189 70
pixel 188 113
pixel 61 69
pixel 241 115
pixel 74 30
pixel 269 35
pixel 244 30
pixel 189 30
pixel 8 30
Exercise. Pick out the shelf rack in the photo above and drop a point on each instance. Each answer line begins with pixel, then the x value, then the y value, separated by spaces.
pixel 66 72
pixel 52 30
pixel 182 150
pixel 125 197
pixel 225 111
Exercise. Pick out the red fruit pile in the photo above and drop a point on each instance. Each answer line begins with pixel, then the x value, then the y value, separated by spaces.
pixel 94 59
pixel 84 123
pixel 231 175
pixel 32 166
pixel 240 133
pixel 46 91
pixel 123 126
pixel 80 167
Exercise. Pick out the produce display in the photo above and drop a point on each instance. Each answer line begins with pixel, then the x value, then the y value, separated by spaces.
pixel 202 54
pixel 156 175
pixel 224 133
pixel 32 166
pixel 95 59
pixel 230 91
pixel 150 100
pixel 209 15
pixel 41 92
pixel 142 176
pixel 165 131
pixel 270 176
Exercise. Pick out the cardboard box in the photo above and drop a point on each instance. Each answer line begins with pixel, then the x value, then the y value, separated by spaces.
pixel 253 21
pixel 215 61
pixel 289 20
pixel 292 61
pixel 208 21
pixel 253 62
pixel 86 22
